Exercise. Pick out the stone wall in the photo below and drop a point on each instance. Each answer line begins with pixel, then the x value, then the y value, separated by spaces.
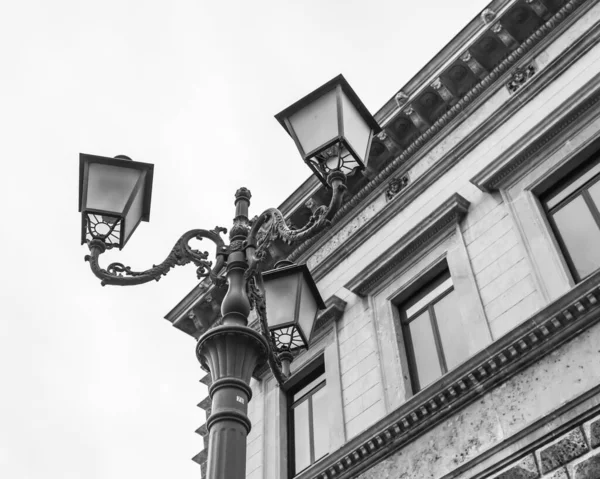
pixel 574 455
pixel 496 260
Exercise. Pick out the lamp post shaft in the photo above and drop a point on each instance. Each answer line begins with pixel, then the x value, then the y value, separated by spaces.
pixel 231 352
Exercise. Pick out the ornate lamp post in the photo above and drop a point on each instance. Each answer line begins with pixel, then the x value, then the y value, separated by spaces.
pixel 115 197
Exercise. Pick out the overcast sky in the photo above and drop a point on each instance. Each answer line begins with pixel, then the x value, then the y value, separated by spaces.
pixel 95 383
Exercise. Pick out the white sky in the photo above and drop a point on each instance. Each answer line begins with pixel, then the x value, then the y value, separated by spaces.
pixel 95 383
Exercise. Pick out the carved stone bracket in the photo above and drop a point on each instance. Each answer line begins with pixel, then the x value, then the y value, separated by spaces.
pixel 520 77
pixel 395 186
pixel 333 312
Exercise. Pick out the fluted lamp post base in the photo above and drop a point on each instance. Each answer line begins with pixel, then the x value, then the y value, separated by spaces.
pixel 231 353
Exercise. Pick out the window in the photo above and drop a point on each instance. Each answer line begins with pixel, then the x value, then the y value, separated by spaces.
pixel 309 432
pixel 572 206
pixel 435 342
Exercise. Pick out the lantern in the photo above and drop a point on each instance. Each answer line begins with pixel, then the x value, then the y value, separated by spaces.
pixel 114 196
pixel 292 300
pixel 332 128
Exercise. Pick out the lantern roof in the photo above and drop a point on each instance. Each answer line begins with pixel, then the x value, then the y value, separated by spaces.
pixel 314 95
pixel 123 162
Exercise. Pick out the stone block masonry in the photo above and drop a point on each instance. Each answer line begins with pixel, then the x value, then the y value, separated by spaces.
pixel 575 454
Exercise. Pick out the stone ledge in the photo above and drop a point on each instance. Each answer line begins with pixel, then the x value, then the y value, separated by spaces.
pixel 526 468
pixel 566 317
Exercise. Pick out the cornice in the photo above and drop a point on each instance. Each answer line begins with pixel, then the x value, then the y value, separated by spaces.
pixel 560 321
pixel 458 109
pixel 454 49
pixel 423 234
pixel 525 153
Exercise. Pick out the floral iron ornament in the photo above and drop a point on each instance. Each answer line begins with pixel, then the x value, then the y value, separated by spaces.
pixel 252 238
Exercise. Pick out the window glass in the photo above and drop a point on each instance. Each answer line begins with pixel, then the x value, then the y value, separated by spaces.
pixel 580 234
pixel 309 421
pixel 301 436
pixel 595 193
pixel 320 423
pixel 562 193
pixel 429 297
pixel 454 339
pixel 424 349
pixel 309 387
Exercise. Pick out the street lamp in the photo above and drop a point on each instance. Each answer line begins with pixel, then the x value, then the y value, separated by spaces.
pixel 115 197
pixel 332 129
pixel 292 301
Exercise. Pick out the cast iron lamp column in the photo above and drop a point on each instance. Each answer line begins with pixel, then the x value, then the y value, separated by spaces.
pixel 231 352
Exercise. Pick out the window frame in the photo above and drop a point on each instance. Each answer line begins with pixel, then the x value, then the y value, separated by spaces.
pixel 421 291
pixel 313 372
pixel 588 165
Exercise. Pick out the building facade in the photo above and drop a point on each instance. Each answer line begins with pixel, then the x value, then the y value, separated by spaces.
pixel 461 335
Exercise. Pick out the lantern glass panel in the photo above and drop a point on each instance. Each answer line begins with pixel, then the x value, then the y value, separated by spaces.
pixel 109 187
pixel 307 311
pixel 134 215
pixel 281 293
pixel 356 130
pixel 317 123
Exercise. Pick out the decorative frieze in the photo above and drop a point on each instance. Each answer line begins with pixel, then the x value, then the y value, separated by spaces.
pixel 504 36
pixel 421 123
pixel 476 67
pixel 538 8
pixel 395 186
pixel 443 91
pixel 519 77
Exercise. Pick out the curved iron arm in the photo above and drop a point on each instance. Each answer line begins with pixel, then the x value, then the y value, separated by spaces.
pixel 181 254
pixel 259 242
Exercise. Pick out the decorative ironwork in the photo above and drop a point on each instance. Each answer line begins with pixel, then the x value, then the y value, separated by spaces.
pixel 257 239
pixel 520 77
pixel 181 254
pixel 103 227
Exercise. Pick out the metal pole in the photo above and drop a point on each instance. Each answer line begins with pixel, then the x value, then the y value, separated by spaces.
pixel 231 352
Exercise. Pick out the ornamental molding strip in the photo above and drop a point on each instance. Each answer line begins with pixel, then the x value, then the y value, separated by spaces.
pixel 447 215
pixel 546 330
pixel 527 152
pixel 427 136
